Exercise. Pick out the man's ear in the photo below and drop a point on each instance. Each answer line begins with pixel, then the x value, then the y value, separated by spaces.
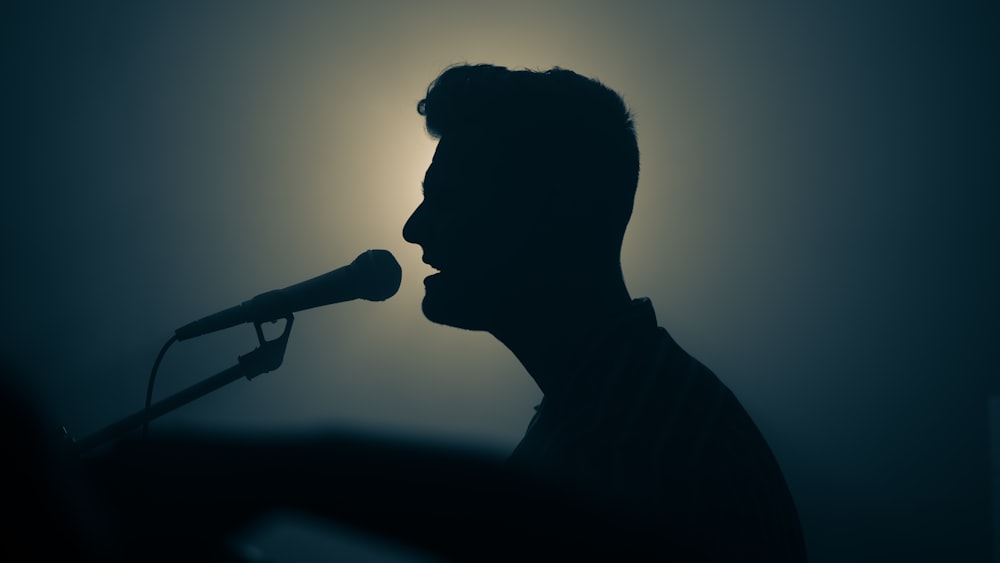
pixel 568 203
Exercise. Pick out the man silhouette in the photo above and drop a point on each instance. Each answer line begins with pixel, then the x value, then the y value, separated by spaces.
pixel 637 450
pixel 525 207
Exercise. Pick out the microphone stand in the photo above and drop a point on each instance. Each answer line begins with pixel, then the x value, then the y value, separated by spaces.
pixel 266 357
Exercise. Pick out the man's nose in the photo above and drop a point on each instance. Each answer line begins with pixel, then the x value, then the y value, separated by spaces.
pixel 413 230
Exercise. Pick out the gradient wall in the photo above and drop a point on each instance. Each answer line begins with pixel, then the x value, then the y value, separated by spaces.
pixel 816 221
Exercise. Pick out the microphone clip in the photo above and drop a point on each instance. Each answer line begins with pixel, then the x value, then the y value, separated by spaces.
pixel 269 355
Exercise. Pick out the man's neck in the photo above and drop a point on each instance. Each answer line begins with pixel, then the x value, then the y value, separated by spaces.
pixel 548 330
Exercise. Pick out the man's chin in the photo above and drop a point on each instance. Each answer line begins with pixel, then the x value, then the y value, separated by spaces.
pixel 453 305
pixel 449 313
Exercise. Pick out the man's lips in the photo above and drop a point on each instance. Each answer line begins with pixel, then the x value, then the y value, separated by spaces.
pixel 433 264
pixel 436 279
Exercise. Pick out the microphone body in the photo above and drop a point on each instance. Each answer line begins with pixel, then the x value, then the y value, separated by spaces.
pixel 373 276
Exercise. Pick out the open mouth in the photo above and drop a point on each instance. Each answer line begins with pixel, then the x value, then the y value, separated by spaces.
pixel 432 264
pixel 435 266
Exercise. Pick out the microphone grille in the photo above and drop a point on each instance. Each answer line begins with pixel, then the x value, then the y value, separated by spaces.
pixel 378 273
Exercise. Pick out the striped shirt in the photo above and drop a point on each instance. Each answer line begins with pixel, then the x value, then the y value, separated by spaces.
pixel 646 425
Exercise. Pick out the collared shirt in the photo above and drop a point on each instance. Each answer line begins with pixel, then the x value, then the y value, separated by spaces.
pixel 644 424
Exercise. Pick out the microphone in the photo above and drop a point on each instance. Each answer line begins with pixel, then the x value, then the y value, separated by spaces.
pixel 373 276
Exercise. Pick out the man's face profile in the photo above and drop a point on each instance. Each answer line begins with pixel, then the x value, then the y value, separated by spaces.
pixel 472 231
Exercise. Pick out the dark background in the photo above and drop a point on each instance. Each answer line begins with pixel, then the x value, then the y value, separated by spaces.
pixel 816 221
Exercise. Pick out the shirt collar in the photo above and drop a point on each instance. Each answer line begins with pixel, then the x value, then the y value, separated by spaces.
pixel 598 350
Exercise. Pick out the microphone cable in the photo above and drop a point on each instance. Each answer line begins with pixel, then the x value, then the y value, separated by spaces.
pixel 152 380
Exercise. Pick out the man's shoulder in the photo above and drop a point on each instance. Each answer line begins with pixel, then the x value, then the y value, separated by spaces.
pixel 655 368
pixel 671 405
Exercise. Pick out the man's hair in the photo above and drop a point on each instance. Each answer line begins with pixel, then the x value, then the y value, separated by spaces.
pixel 551 128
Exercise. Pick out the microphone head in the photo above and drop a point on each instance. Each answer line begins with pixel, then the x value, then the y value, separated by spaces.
pixel 378 273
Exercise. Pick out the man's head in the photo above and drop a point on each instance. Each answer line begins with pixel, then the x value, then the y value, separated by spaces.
pixel 534 176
